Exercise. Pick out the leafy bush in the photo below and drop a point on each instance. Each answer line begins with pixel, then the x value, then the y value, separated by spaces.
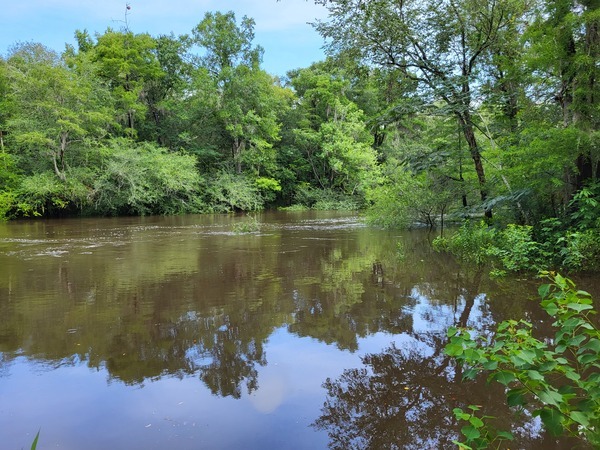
pixel 472 243
pixel 228 192
pixel 145 179
pixel 7 204
pixel 409 199
pixel 512 249
pixel 326 199
pixel 386 211
pixel 249 225
pixel 558 379
pixel 44 193
pixel 268 187
pixel 516 249
pixel 580 250
pixel 586 207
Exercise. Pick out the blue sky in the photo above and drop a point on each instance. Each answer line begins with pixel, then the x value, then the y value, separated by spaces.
pixel 281 27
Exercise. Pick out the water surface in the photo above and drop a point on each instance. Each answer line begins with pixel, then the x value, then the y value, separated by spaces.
pixel 176 332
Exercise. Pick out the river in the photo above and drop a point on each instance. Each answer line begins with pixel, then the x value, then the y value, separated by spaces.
pixel 316 331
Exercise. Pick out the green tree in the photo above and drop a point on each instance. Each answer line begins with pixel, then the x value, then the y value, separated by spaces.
pixel 331 133
pixel 440 46
pixel 57 109
pixel 128 63
pixel 249 101
pixel 564 49
pixel 226 43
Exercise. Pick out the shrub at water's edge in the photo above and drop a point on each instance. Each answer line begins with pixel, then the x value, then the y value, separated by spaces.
pixel 519 248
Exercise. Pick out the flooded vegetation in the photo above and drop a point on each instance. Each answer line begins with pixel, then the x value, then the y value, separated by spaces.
pixel 312 331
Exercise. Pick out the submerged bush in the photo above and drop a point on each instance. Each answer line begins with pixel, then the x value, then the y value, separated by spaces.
pixel 249 225
pixel 514 249
pixel 472 243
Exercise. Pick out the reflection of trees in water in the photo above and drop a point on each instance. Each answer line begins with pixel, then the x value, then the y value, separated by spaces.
pixel 403 399
pixel 404 396
pixel 398 401
pixel 226 356
pixel 223 348
pixel 208 312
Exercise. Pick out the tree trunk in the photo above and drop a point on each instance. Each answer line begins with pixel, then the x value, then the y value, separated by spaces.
pixel 469 134
pixel 238 148
pixel 57 171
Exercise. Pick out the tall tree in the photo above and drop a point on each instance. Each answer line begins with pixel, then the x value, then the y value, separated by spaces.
pixel 226 43
pixel 565 47
pixel 332 132
pixel 440 45
pixel 58 108
pixel 249 100
pixel 128 63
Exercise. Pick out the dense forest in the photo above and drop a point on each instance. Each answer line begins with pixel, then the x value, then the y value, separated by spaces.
pixel 423 111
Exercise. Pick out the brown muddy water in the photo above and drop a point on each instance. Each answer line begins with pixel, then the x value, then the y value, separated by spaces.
pixel 177 333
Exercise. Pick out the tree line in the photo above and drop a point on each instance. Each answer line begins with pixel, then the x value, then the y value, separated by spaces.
pixel 127 123
pixel 422 110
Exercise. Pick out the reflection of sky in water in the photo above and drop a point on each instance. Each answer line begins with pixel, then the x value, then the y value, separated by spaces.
pixel 433 317
pixel 74 404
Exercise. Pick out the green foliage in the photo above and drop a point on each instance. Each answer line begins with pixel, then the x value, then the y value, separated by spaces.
pixel 228 192
pixel 558 379
pixel 128 64
pixel 268 188
pixel 44 194
pixel 374 125
pixel 8 172
pixel 145 179
pixel 473 243
pixel 478 434
pixel 226 43
pixel 7 203
pixel 324 199
pixel 576 249
pixel 250 225
pixel 579 250
pixel 331 134
pixel 35 441
pixel 407 199
pixel 59 110
pixel 387 209
pixel 9 180
pixel 516 248
pixel 585 205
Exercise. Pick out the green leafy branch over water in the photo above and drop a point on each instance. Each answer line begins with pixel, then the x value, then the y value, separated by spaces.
pixel 559 381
